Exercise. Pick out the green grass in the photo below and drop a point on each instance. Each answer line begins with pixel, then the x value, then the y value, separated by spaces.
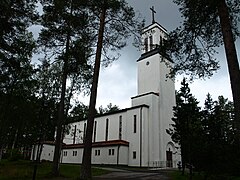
pixel 23 170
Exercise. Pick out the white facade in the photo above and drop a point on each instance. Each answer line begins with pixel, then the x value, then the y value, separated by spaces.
pixel 134 136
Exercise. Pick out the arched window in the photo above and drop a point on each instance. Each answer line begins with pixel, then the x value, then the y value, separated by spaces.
pixel 151 42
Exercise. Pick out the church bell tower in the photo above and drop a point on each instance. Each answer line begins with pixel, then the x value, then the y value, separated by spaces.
pixel 151 70
pixel 155 89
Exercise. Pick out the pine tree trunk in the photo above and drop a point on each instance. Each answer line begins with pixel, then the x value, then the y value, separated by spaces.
pixel 61 113
pixel 232 61
pixel 58 142
pixel 86 162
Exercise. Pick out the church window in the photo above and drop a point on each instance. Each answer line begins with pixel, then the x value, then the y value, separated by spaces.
pixel 134 154
pixel 97 152
pixel 161 41
pixel 120 127
pixel 146 44
pixel 74 153
pixel 111 152
pixel 95 131
pixel 151 42
pixel 106 135
pixel 134 123
pixel 64 153
pixel 84 130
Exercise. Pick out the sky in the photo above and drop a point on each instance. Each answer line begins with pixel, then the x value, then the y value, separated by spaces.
pixel 118 82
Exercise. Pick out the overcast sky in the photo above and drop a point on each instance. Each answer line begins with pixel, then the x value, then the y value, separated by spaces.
pixel 118 82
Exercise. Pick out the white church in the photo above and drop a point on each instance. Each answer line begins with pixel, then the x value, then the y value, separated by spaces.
pixel 134 136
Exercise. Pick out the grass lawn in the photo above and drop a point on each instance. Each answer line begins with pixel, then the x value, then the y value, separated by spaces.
pixel 23 170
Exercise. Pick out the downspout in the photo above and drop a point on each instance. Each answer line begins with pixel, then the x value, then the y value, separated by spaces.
pixel 141 137
pixel 148 121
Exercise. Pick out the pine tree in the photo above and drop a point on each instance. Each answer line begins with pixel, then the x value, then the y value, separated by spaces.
pixel 208 24
pixel 16 72
pixel 66 39
pixel 186 127
pixel 115 24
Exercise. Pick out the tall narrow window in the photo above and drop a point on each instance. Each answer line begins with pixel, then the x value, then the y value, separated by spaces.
pixel 151 42
pixel 84 131
pixel 95 131
pixel 106 135
pixel 161 41
pixel 134 154
pixel 134 123
pixel 74 153
pixel 146 44
pixel 120 127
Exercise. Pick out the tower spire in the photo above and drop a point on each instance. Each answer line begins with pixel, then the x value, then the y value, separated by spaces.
pixel 153 12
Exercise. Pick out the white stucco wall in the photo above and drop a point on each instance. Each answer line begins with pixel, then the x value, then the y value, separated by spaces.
pixel 151 125
pixel 102 158
pixel 70 158
pixel 166 102
pixel 148 74
pixel 46 154
pixel 113 128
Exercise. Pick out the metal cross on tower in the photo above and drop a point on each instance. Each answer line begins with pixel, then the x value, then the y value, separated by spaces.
pixel 153 11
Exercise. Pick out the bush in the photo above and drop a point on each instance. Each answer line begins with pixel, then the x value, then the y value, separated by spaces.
pixel 14 155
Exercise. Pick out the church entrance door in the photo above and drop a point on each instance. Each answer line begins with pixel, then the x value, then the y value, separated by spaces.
pixel 169 158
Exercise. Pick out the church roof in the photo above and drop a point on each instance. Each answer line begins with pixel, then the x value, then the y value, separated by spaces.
pixel 122 110
pixel 155 24
pixel 157 94
pixel 75 119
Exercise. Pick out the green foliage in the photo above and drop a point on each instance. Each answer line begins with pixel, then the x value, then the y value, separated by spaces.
pixel 207 25
pixel 206 137
pixel 17 83
pixel 13 155
pixel 121 22
pixel 78 112
pixel 185 130
pixel 108 109
pixel 192 45
pixel 65 39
